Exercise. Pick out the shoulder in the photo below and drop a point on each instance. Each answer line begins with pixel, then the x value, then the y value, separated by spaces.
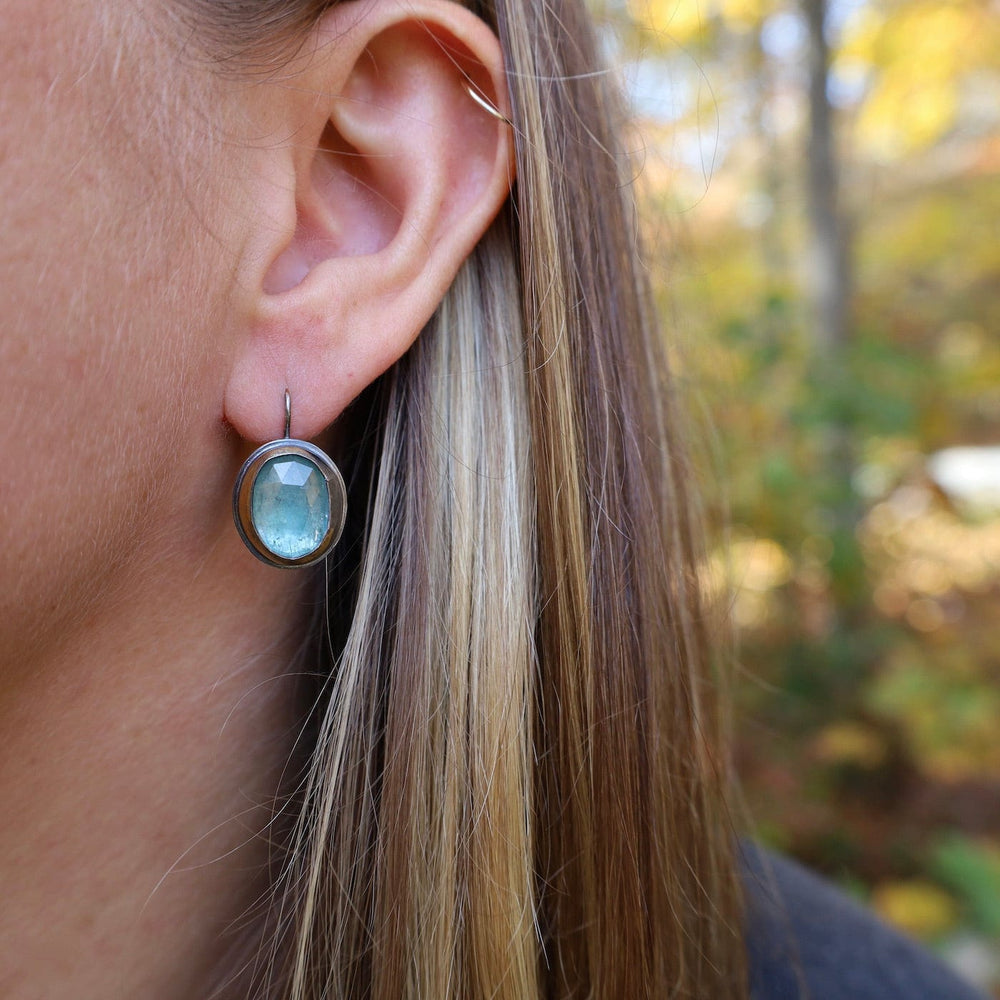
pixel 807 941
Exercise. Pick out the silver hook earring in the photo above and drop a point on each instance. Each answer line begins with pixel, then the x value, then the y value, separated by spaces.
pixel 289 501
pixel 486 105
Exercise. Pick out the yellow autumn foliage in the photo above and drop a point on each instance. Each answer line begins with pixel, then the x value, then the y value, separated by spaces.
pixel 851 743
pixel 685 21
pixel 916 57
pixel 680 20
pixel 916 906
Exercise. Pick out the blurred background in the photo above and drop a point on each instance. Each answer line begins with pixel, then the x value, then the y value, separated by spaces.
pixel 822 199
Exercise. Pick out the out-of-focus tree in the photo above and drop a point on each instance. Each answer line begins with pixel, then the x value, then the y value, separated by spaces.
pixel 828 252
pixel 865 581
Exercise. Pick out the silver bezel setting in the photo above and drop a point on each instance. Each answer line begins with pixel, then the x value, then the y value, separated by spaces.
pixel 243 492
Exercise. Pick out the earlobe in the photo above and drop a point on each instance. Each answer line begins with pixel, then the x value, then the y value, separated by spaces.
pixel 395 174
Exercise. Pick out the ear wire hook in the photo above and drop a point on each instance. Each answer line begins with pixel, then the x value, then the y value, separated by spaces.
pixel 486 105
pixel 288 414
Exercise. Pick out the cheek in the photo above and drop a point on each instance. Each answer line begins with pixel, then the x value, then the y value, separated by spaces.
pixel 103 335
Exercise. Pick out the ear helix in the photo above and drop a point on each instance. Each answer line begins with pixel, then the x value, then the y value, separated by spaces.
pixel 289 501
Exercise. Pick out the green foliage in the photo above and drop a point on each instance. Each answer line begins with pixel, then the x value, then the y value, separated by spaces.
pixel 973 872
pixel 867 598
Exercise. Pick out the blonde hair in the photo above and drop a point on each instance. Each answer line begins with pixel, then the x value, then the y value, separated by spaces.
pixel 517 783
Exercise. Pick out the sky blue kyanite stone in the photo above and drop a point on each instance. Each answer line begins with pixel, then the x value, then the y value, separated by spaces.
pixel 290 506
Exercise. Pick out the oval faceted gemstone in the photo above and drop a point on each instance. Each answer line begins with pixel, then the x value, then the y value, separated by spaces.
pixel 290 506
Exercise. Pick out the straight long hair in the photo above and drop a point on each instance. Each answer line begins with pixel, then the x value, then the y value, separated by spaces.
pixel 516 787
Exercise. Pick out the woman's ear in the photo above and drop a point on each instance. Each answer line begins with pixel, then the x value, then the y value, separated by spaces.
pixel 391 174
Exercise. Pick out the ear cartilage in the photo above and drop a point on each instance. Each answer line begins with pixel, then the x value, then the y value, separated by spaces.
pixel 486 105
pixel 289 501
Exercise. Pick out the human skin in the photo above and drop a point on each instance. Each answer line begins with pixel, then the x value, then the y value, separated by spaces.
pixel 175 251
pixel 130 690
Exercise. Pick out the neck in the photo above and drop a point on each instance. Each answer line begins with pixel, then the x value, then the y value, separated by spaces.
pixel 141 763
